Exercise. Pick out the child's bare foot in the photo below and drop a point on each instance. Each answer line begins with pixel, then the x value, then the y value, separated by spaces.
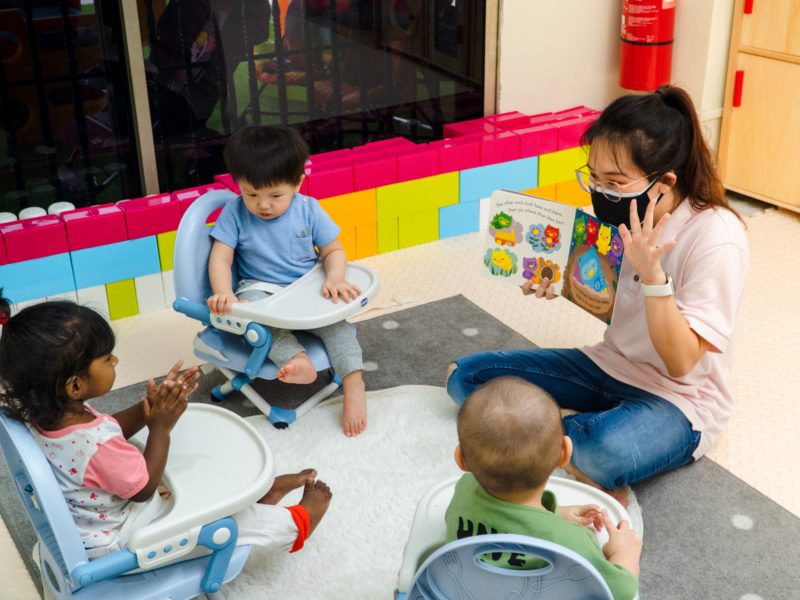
pixel 354 414
pixel 298 370
pixel 316 498
pixel 620 494
pixel 284 484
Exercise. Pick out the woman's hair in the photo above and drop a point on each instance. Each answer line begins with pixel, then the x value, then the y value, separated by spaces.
pixel 266 155
pixel 661 132
pixel 41 348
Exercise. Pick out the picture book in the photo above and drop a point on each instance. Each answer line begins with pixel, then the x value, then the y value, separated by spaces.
pixel 531 238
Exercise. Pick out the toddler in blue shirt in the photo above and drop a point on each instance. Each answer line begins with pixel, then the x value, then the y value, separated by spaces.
pixel 272 232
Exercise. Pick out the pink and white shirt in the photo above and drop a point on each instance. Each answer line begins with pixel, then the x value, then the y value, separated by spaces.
pixel 98 470
pixel 708 266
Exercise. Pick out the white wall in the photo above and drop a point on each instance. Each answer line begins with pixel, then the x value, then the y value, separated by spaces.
pixel 554 55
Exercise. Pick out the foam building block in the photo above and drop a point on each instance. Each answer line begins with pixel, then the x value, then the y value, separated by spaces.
pixel 570 192
pixel 149 292
pixel 502 119
pixel 353 212
pixel 168 284
pixel 115 262
pixel 575 111
pixel 514 175
pixel 560 166
pixel 3 258
pixel 412 197
pixel 547 192
pixel 458 154
pixel 94 226
pixel 95 298
pixel 485 206
pixel 334 155
pixel 375 171
pixel 38 278
pixel 458 219
pixel 499 147
pixel 423 162
pixel 387 235
pixel 537 140
pixel 34 238
pixel 122 299
pixel 347 236
pixel 395 144
pixel 166 249
pixel 472 126
pixel 187 196
pixel 571 130
pixel 151 215
pixel 366 240
pixel 418 228
pixel 226 180
pixel 333 180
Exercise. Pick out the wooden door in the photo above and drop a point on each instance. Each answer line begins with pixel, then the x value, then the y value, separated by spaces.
pixel 773 25
pixel 763 149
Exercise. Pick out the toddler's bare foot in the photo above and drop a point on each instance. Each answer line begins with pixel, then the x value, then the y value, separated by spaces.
pixel 620 495
pixel 284 484
pixel 354 414
pixel 316 498
pixel 298 370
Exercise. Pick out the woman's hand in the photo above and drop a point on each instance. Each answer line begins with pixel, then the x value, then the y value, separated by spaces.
pixel 544 290
pixel 641 244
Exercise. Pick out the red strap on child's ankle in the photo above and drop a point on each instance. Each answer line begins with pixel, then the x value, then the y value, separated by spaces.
pixel 302 519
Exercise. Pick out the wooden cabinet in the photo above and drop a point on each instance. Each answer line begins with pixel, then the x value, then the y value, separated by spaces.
pixel 760 137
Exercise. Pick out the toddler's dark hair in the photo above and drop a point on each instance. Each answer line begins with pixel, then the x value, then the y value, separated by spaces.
pixel 266 155
pixel 41 348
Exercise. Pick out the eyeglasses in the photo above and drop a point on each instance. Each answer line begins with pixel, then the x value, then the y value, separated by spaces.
pixel 610 189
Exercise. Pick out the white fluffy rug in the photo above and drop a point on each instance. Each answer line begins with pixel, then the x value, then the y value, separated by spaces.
pixel 376 479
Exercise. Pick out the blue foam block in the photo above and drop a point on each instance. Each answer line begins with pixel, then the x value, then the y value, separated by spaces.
pixel 33 279
pixel 515 175
pixel 458 218
pixel 115 262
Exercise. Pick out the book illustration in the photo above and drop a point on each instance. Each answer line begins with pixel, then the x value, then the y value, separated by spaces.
pixel 585 269
pixel 500 262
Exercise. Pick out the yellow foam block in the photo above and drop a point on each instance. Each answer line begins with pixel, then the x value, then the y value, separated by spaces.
pixel 366 240
pixel 122 299
pixel 570 192
pixel 387 235
pixel 349 210
pixel 548 192
pixel 560 166
pixel 166 249
pixel 417 195
pixel 418 228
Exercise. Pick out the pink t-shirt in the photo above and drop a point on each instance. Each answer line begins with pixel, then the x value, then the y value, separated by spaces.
pixel 98 470
pixel 708 266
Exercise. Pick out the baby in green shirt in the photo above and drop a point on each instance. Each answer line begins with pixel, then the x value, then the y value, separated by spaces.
pixel 510 441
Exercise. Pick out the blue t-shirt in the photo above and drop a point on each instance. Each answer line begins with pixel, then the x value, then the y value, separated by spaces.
pixel 276 250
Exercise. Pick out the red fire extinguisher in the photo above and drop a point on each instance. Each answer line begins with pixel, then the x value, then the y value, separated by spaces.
pixel 646 49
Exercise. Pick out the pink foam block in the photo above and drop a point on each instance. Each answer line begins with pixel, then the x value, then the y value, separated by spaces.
pixel 151 215
pixel 374 171
pixel 473 126
pixel 422 162
pixel 34 238
pixel 384 145
pixel 187 196
pixel 335 155
pixel 94 226
pixel 226 180
pixel 571 130
pixel 304 187
pixel 3 257
pixel 457 154
pixel 501 119
pixel 330 181
pixel 571 113
pixel 537 140
pixel 499 147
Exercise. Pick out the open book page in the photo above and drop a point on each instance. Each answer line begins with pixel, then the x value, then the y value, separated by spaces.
pixel 531 239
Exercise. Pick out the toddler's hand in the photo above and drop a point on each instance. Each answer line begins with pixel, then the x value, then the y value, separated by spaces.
pixel 164 404
pixel 622 540
pixel 187 379
pixel 221 304
pixel 543 290
pixel 587 515
pixel 340 289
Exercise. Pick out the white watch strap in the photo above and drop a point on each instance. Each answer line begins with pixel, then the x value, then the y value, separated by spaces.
pixel 662 289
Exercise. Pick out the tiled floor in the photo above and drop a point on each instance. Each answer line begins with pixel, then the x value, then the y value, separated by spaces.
pixel 149 344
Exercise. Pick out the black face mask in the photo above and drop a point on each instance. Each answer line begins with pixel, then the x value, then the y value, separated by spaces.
pixel 617 213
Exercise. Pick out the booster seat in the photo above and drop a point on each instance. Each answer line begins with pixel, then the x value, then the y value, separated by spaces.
pixel 238 343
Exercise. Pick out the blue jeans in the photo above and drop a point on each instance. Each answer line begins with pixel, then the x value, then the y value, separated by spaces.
pixel 620 435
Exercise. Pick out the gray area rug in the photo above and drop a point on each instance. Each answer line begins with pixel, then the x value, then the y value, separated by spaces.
pixel 708 534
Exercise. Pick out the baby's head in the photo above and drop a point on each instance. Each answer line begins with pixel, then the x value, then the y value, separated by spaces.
pixel 51 353
pixel 268 162
pixel 510 436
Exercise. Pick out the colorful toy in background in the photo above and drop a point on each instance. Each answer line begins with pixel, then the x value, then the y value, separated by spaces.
pixel 500 262
pixel 538 268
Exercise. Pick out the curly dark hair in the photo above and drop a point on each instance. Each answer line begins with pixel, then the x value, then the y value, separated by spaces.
pixel 41 348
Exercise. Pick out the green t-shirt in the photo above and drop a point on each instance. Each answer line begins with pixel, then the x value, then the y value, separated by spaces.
pixel 473 511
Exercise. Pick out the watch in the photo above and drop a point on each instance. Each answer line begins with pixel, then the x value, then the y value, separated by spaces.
pixel 661 289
